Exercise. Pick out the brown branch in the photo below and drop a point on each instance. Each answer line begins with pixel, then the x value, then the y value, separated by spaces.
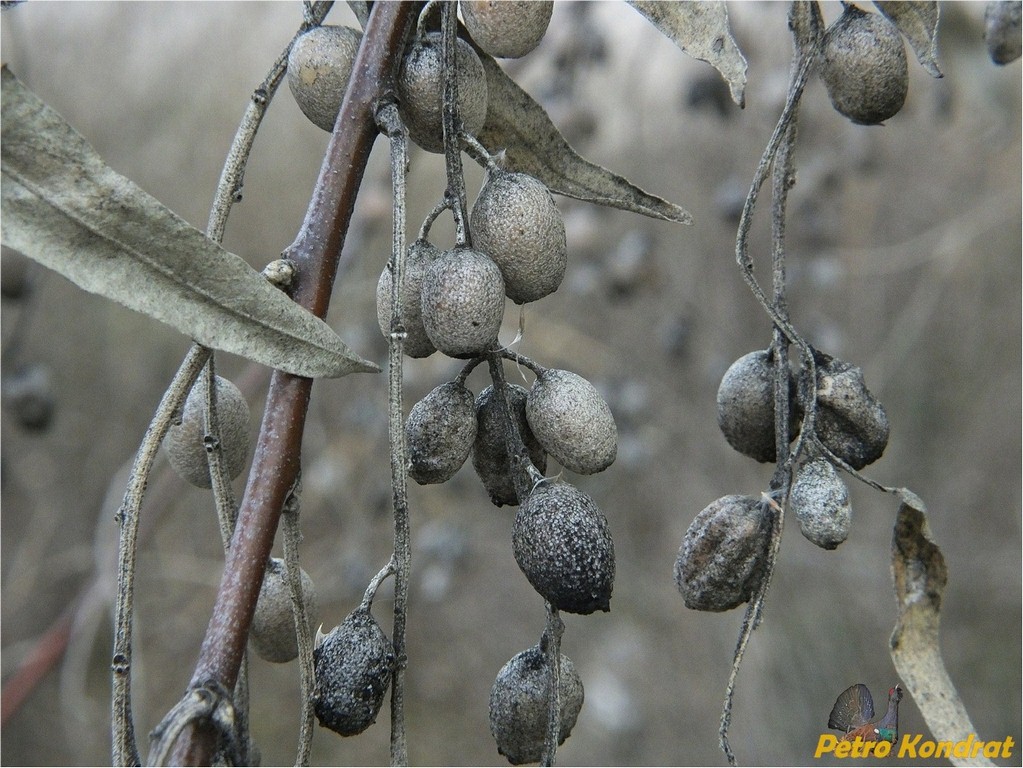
pixel 316 252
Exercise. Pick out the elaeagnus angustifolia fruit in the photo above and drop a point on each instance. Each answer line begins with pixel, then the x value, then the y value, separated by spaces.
pixel 572 421
pixel 353 665
pixel 518 704
pixel 416 344
pixel 490 449
pixel 820 501
pixel 1002 30
pixel 850 421
pixel 563 545
pixel 516 223
pixel 440 431
pixel 420 84
pixel 745 402
pixel 507 29
pixel 273 635
pixel 319 66
pixel 184 442
pixel 463 302
pixel 721 561
pixel 863 66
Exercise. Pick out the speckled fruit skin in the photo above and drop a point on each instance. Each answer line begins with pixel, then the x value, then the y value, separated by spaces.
pixel 745 403
pixel 1002 26
pixel 572 421
pixel 319 66
pixel 490 449
pixel 850 421
pixel 820 501
pixel 507 29
pixel 518 704
pixel 439 432
pixel 864 67
pixel 272 635
pixel 563 545
pixel 463 303
pixel 417 344
pixel 720 563
pixel 353 665
pixel 420 86
pixel 184 442
pixel 516 223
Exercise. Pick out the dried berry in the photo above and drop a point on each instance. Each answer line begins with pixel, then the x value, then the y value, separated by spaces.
pixel 417 344
pixel 516 223
pixel 353 665
pixel 462 302
pixel 721 561
pixel 745 402
pixel 28 395
pixel 864 66
pixel 518 704
pixel 184 442
pixel 572 421
pixel 1002 33
pixel 820 502
pixel 440 431
pixel 850 421
pixel 563 545
pixel 507 28
pixel 490 450
pixel 273 635
pixel 420 87
pixel 319 66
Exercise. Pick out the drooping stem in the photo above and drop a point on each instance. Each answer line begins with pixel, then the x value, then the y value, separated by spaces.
pixel 316 252
pixel 551 644
pixel 453 124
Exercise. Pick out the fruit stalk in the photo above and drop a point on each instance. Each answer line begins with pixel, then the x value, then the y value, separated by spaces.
pixel 316 251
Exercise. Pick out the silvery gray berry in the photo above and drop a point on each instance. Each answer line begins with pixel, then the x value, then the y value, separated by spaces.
pixel 439 432
pixel 319 66
pixel 272 635
pixel 563 545
pixel 1003 30
pixel 506 28
pixel 850 421
pixel 490 449
pixel 721 561
pixel 745 403
pixel 820 501
pixel 417 344
pixel 462 302
pixel 572 421
pixel 518 704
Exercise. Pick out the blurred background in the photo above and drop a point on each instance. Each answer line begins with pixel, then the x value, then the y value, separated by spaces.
pixel 904 258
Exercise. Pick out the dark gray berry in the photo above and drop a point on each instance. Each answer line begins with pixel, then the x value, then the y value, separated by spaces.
pixel 15 274
pixel 820 501
pixel 721 561
pixel 507 28
pixel 440 431
pixel 28 395
pixel 463 302
pixel 863 66
pixel 417 343
pixel 353 665
pixel 850 421
pixel 490 450
pixel 1003 31
pixel 273 635
pixel 518 704
pixel 184 444
pixel 516 223
pixel 319 67
pixel 572 421
pixel 745 403
pixel 563 545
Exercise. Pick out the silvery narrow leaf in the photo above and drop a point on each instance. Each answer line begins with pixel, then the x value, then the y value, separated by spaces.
pixel 918 22
pixel 65 208
pixel 533 144
pixel 701 30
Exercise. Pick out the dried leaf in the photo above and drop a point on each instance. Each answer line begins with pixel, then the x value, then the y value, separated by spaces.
pixel 918 22
pixel 65 208
pixel 919 575
pixel 533 144
pixel 701 30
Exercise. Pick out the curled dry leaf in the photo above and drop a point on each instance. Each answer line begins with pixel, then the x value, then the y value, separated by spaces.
pixel 65 208
pixel 701 31
pixel 918 23
pixel 533 145
pixel 919 575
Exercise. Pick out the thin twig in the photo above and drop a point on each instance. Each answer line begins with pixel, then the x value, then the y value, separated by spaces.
pixel 452 125
pixel 551 644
